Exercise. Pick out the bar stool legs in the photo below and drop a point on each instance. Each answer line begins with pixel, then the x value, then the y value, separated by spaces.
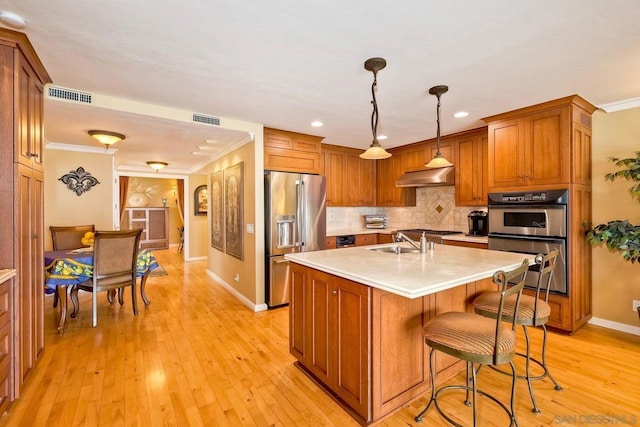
pixel 469 389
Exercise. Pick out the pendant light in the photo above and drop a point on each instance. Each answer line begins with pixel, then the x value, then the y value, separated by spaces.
pixel 438 161
pixel 375 150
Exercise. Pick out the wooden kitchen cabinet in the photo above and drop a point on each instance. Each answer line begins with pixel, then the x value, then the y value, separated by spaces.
pixel 387 173
pixel 291 151
pixel 154 223
pixel 6 343
pixel 548 146
pixel 22 79
pixel 329 333
pixel 366 239
pixel 471 161
pixel 477 245
pixel 535 147
pixel 350 179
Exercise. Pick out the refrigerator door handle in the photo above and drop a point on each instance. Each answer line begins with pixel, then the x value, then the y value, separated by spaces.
pixel 300 213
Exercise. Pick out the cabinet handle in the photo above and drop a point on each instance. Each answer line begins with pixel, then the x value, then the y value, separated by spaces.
pixel 334 292
pixel 33 155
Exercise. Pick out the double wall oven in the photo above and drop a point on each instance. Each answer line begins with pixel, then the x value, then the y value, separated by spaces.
pixel 532 223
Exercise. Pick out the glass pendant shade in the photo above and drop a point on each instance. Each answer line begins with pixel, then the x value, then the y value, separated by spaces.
pixel 375 152
pixel 438 162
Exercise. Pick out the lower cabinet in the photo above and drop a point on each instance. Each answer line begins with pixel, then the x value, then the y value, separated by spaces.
pixel 364 345
pixel 329 333
pixel 477 245
pixel 154 223
pixel 6 344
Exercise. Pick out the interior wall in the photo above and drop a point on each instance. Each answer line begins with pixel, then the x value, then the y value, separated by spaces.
pixel 62 206
pixel 250 280
pixel 198 224
pixel 616 282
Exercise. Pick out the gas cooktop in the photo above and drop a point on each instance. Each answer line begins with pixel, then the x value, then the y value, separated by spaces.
pixel 431 232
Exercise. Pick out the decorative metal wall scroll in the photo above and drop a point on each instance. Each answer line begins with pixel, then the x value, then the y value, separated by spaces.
pixel 233 209
pixel 79 181
pixel 217 211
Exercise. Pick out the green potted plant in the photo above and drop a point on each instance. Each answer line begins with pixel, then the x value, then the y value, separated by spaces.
pixel 620 235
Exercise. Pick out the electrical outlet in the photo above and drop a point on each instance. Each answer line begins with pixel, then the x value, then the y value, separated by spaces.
pixel 237 278
pixel 636 304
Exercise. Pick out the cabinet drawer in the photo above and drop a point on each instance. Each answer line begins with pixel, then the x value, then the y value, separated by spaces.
pixel 366 239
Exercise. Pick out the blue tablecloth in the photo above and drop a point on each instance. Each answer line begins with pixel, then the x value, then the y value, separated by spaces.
pixel 68 268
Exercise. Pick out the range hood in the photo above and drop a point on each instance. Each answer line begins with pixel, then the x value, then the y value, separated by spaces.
pixel 427 178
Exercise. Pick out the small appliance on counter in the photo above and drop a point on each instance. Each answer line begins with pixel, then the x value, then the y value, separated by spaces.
pixel 478 223
pixel 375 221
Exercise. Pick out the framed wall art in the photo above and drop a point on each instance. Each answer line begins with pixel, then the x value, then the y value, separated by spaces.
pixel 233 209
pixel 200 200
pixel 217 211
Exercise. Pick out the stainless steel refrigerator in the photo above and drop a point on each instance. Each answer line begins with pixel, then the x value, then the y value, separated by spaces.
pixel 295 221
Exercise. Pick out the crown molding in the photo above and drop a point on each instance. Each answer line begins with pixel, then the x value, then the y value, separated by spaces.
pixel 625 104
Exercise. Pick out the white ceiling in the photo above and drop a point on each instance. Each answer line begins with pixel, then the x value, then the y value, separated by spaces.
pixel 286 63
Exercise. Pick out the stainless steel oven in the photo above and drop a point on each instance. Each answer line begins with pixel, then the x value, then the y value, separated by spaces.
pixel 532 223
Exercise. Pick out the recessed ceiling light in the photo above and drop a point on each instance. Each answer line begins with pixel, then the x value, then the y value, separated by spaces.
pixel 383 137
pixel 12 20
pixel 460 114
pixel 196 153
pixel 317 123
pixel 210 141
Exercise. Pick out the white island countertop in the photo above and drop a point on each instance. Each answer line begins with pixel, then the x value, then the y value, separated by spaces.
pixel 411 275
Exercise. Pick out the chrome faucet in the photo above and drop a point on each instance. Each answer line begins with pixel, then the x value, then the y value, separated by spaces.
pixel 400 236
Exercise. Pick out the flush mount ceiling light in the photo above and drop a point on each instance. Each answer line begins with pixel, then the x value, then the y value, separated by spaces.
pixel 317 124
pixel 157 165
pixel 438 161
pixel 375 150
pixel 105 137
pixel 12 20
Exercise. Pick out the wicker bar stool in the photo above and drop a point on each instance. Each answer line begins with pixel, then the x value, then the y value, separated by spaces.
pixel 532 311
pixel 477 340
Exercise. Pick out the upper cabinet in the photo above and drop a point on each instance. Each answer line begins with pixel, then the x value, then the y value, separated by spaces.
pixel 350 180
pixel 471 169
pixel 291 152
pixel 540 146
pixel 388 171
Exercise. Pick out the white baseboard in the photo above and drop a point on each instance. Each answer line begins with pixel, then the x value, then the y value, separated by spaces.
pixel 244 300
pixel 622 327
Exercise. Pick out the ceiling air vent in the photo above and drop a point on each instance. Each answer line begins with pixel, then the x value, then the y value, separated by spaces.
pixel 207 120
pixel 69 95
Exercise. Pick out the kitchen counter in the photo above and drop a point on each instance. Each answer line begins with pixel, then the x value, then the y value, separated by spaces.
pixel 356 318
pixel 411 275
pixel 6 274
pixel 466 238
pixel 359 231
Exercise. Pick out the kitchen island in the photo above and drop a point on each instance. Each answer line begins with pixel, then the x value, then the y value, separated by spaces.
pixel 356 318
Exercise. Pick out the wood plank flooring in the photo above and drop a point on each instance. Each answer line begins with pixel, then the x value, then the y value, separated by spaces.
pixel 198 357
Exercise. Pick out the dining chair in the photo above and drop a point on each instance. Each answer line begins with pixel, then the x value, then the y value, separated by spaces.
pixel 114 267
pixel 68 237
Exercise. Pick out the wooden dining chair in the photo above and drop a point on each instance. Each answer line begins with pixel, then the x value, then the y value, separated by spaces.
pixel 114 266
pixel 68 237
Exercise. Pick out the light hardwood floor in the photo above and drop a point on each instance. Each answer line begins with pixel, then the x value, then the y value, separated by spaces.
pixel 197 356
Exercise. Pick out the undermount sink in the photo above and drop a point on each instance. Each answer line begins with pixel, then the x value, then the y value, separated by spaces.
pixel 396 250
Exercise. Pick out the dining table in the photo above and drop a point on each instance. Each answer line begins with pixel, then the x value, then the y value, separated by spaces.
pixel 66 268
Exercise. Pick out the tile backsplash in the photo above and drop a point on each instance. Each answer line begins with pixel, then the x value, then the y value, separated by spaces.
pixel 435 208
